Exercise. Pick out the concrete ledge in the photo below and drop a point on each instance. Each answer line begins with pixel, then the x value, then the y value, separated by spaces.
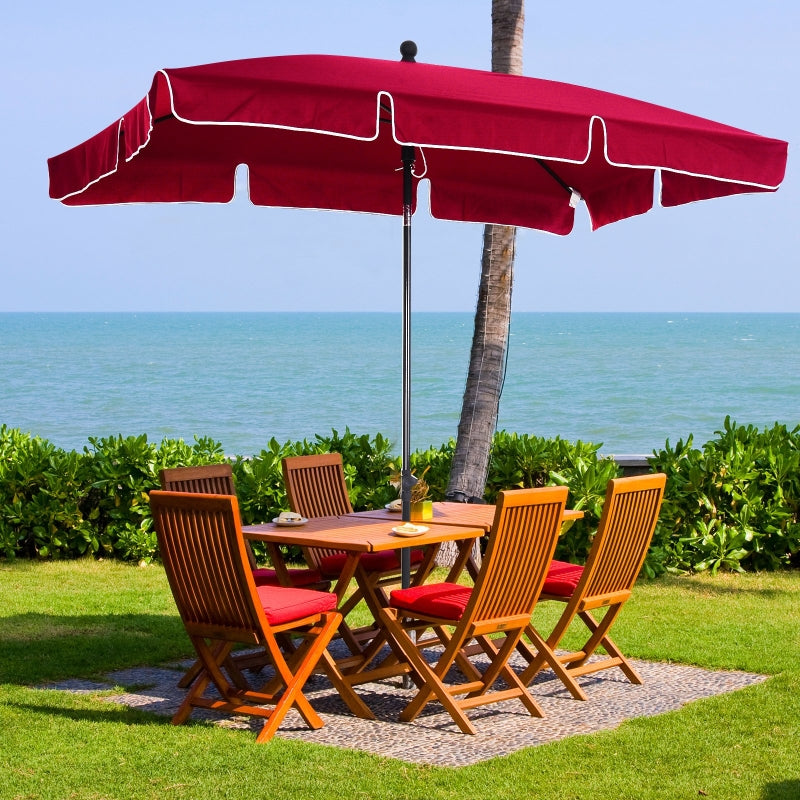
pixel 631 464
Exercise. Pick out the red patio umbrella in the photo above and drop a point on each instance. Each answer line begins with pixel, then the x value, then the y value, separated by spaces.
pixel 355 134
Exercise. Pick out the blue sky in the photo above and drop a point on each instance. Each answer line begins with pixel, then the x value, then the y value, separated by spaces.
pixel 72 68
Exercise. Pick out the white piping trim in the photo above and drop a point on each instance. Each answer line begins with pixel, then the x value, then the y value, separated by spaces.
pixel 420 145
pixel 141 147
pixel 147 138
pixel 390 99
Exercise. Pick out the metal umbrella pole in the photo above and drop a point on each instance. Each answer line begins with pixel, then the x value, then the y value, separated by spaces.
pixel 407 480
pixel 408 50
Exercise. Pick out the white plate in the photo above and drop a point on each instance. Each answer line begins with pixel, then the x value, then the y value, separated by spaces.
pixel 418 530
pixel 289 523
pixel 394 507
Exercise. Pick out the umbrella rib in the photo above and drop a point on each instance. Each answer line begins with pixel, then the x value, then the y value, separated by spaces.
pixel 555 176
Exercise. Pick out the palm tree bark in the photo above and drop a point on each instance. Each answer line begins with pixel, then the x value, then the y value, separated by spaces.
pixel 486 367
pixel 487 364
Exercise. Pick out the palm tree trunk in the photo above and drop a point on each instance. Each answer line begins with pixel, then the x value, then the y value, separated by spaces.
pixel 486 367
pixel 487 364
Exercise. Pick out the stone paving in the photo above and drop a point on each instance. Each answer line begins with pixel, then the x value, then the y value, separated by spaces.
pixel 433 738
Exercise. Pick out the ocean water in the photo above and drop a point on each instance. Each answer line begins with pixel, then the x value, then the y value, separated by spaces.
pixel 627 381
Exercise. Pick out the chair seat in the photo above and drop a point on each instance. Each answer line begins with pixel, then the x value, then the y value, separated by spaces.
pixel 283 604
pixel 299 577
pixel 445 600
pixel 383 561
pixel 562 578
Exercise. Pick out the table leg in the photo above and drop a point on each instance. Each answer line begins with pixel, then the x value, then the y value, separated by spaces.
pixel 463 559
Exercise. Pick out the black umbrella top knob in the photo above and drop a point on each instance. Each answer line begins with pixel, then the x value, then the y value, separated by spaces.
pixel 408 50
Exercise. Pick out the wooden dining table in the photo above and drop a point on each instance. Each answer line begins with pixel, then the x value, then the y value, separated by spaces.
pixel 447 513
pixel 371 532
pixel 475 514
pixel 356 535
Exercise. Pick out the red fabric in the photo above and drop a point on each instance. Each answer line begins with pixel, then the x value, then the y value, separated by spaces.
pixel 382 561
pixel 562 578
pixel 298 577
pixel 488 129
pixel 282 604
pixel 446 600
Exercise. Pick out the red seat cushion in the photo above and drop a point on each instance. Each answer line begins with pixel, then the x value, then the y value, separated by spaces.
pixel 562 578
pixel 446 600
pixel 283 604
pixel 298 577
pixel 382 561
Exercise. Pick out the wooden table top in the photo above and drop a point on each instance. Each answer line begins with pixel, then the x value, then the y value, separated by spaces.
pixel 358 534
pixel 444 513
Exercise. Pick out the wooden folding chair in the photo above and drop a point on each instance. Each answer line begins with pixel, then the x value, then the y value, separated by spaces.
pixel 521 544
pixel 316 487
pixel 606 580
pixel 218 479
pixel 201 544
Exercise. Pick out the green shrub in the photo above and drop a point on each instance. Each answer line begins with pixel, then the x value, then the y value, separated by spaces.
pixel 730 505
pixel 368 466
pixel 123 471
pixel 523 461
pixel 43 508
pixel 435 463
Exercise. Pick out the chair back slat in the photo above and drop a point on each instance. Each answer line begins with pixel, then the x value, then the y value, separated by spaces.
pixel 206 479
pixel 203 479
pixel 521 545
pixel 629 518
pixel 201 544
pixel 316 487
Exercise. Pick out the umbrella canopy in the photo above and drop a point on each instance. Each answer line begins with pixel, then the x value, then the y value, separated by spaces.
pixel 355 134
pixel 323 132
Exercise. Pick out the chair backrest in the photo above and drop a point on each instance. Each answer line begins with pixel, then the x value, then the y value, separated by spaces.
pixel 201 544
pixel 206 479
pixel 623 537
pixel 203 479
pixel 316 486
pixel 521 545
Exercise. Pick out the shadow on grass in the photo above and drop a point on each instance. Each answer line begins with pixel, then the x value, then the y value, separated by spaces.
pixel 115 714
pixel 35 647
pixel 782 790
pixel 712 587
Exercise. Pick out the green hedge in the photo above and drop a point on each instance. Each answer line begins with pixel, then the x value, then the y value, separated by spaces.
pixel 733 504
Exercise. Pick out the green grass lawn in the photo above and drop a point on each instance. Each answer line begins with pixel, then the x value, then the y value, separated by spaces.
pixel 82 619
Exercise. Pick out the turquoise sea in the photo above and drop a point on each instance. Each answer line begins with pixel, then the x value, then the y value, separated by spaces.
pixel 628 381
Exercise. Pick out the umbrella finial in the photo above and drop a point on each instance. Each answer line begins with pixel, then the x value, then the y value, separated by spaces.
pixel 408 50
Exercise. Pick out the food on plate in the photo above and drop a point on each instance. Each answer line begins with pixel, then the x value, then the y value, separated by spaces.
pixel 407 527
pixel 289 516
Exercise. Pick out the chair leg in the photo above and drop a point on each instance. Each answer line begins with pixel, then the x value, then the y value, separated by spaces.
pixel 546 656
pixel 290 677
pixel 292 695
pixel 600 638
pixel 498 668
pixel 432 679
pixel 209 658
pixel 571 665
pixel 328 665
pixel 190 674
pixel 356 705
pixel 188 677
